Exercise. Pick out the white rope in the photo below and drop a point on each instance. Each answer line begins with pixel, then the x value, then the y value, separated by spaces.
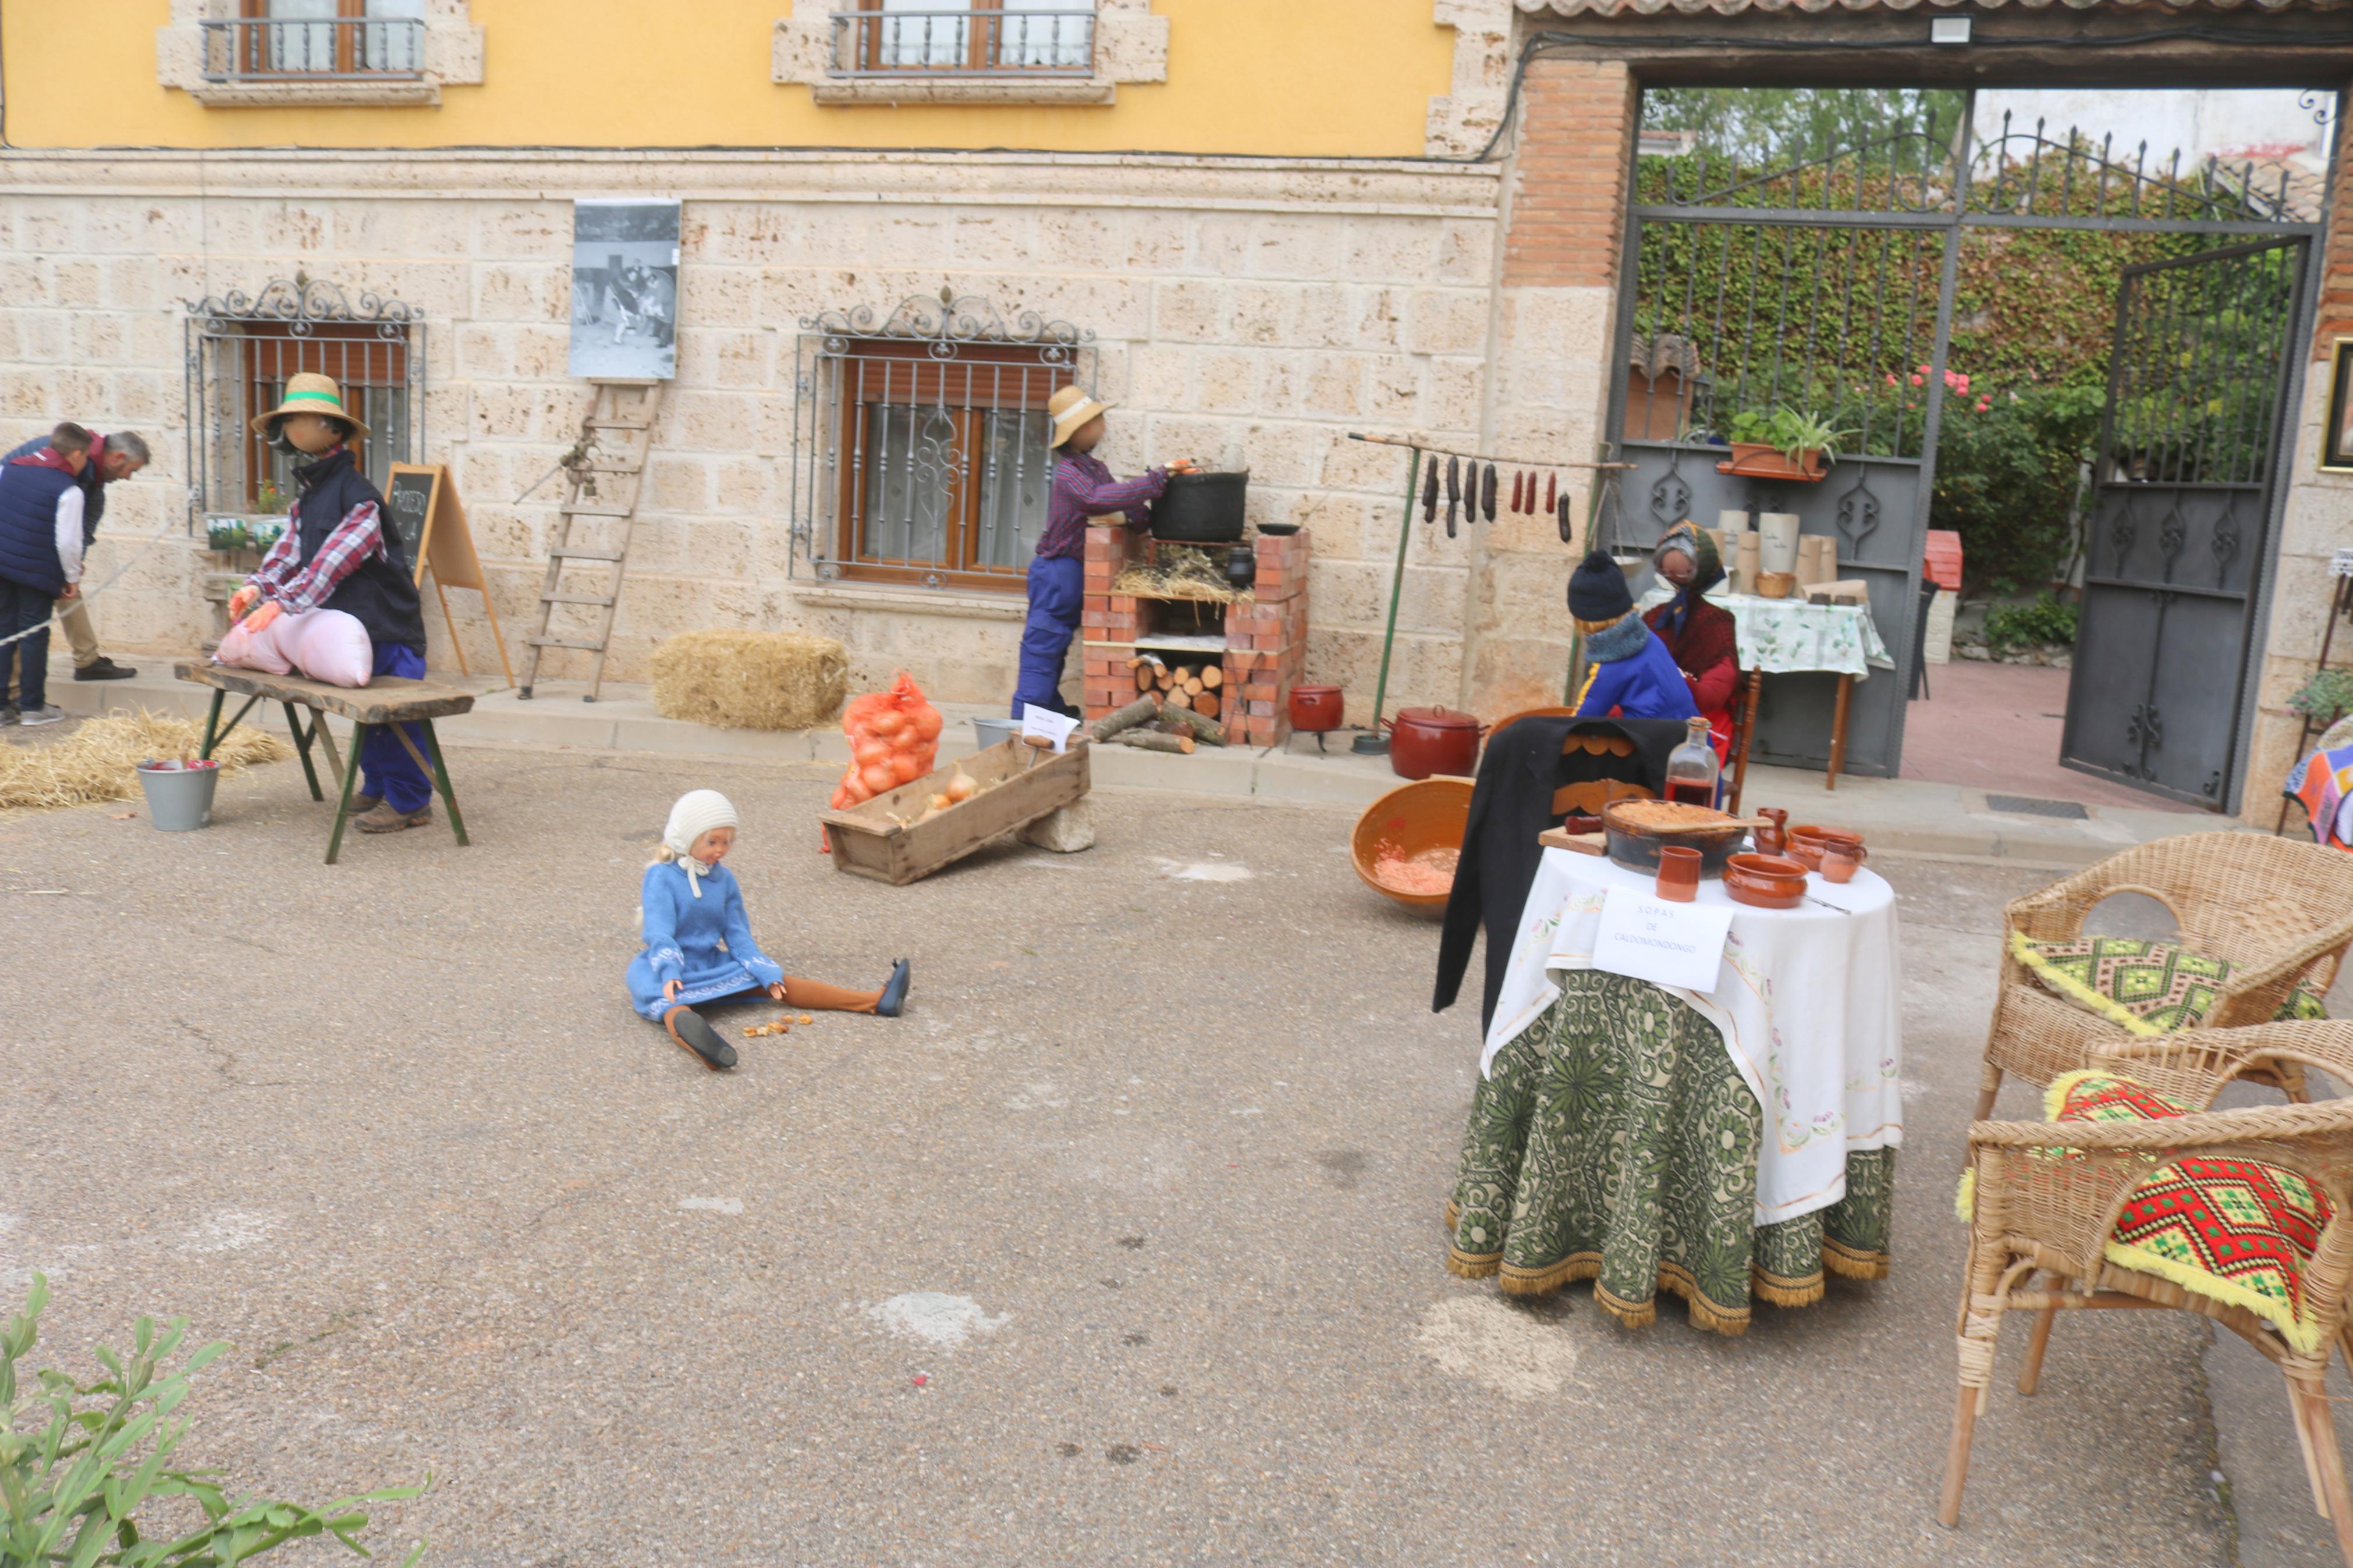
pixel 90 594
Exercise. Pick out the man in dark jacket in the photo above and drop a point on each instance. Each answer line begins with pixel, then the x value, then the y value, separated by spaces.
pixel 40 560
pixel 111 456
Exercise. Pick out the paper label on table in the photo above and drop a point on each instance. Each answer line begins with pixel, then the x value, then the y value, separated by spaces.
pixel 1649 938
pixel 1047 724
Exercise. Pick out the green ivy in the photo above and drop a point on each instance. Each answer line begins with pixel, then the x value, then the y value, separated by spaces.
pixel 2042 624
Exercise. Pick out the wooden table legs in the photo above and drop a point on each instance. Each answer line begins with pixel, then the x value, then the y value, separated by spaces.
pixel 1838 731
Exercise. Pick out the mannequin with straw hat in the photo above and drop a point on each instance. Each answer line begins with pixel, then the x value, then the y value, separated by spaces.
pixel 337 555
pixel 1082 488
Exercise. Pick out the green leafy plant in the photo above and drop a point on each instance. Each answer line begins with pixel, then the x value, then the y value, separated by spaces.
pixel 268 499
pixel 1789 432
pixel 2045 622
pixel 78 1460
pixel 2326 697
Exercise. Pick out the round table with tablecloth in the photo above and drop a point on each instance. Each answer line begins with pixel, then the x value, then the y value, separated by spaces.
pixel 1724 1145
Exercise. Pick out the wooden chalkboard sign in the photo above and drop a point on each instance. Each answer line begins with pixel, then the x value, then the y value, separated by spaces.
pixel 429 520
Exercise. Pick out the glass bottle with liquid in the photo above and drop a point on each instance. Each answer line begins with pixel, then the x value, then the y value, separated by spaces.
pixel 1691 767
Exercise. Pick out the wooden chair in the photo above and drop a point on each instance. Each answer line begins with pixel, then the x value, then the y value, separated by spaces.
pixel 2037 1213
pixel 2276 909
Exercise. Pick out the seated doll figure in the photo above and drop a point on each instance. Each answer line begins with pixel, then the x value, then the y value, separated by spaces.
pixel 1633 674
pixel 697 941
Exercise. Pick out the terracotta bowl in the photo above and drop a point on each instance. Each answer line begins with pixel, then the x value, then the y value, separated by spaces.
pixel 1775 585
pixel 1806 842
pixel 1430 814
pixel 1766 881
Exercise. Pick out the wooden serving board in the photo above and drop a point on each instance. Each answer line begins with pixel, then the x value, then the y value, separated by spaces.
pixel 1582 843
pixel 1015 792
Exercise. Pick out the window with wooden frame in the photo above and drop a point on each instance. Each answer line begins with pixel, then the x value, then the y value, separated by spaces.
pixel 330 38
pixel 964 37
pixel 372 373
pixel 940 467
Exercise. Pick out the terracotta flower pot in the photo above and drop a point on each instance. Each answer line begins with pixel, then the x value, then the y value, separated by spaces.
pixel 1755 460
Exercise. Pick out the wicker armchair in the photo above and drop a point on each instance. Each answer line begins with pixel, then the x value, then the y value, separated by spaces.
pixel 2274 908
pixel 2034 1212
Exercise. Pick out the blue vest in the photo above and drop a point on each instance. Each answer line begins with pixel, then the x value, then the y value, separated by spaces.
pixel 28 526
pixel 93 488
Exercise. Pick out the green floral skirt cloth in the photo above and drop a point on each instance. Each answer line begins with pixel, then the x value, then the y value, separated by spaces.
pixel 1614 1141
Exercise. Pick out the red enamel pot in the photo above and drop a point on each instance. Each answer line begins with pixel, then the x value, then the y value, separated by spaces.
pixel 1315 708
pixel 1426 741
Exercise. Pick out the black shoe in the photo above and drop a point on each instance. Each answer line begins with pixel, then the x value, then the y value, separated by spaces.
pixel 104 668
pixel 686 1027
pixel 894 993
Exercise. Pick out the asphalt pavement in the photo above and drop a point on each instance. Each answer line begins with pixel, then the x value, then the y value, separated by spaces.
pixel 1123 1247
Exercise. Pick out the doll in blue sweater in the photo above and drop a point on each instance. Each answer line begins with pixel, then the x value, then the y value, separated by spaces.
pixel 697 941
pixel 1633 674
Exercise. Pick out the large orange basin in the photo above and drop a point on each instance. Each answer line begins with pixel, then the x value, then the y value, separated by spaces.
pixel 1429 813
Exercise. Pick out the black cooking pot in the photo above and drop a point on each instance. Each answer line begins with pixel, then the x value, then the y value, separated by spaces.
pixel 1200 509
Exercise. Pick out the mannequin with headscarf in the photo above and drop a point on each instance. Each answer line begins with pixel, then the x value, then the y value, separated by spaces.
pixel 1698 634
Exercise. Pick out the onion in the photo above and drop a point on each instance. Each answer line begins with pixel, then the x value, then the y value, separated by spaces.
pixel 878 778
pixel 907 767
pixel 889 721
pixel 926 722
pixel 870 750
pixel 962 786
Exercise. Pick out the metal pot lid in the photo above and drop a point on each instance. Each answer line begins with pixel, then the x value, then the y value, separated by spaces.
pixel 1436 719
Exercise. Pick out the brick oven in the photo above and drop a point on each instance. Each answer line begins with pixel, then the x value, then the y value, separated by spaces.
pixel 1259 642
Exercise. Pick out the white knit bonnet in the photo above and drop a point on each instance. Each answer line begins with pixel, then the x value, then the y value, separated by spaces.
pixel 698 811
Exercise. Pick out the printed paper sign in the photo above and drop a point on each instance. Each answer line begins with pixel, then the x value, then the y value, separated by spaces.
pixel 2341 563
pixel 1649 938
pixel 1047 724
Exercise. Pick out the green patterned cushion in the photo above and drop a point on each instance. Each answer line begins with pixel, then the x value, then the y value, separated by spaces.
pixel 2149 987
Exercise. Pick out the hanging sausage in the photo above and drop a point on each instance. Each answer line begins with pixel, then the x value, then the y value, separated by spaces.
pixel 1560 509
pixel 1453 491
pixel 1552 487
pixel 1487 494
pixel 1519 490
pixel 1430 493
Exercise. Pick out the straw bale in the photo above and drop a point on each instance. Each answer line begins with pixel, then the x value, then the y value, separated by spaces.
pixel 751 681
pixel 98 759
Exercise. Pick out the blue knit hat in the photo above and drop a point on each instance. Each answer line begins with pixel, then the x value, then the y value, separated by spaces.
pixel 1598 591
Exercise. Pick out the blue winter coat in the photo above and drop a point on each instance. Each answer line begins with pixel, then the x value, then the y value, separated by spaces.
pixel 704 943
pixel 1646 684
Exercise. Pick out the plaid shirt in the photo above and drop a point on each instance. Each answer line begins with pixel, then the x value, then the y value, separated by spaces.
pixel 283 579
pixel 1082 488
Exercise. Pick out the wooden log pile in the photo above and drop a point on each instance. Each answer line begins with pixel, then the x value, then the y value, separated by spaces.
pixel 1194 686
pixel 1153 723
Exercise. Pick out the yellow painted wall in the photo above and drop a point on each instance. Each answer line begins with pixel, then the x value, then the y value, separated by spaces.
pixel 1338 77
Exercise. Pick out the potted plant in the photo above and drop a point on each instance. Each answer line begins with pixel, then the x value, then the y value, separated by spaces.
pixel 1783 444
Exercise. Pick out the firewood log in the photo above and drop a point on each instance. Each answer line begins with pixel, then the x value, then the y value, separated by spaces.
pixel 1180 698
pixel 1213 676
pixel 1153 741
pixel 1194 686
pixel 1143 677
pixel 1204 728
pixel 1208 705
pixel 1142 710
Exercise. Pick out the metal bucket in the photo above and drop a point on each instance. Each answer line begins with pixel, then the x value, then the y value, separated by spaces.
pixel 994 731
pixel 179 800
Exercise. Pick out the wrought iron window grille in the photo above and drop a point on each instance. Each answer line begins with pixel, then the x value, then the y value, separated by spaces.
pixel 242 347
pixel 921 447
pixel 326 48
pixel 964 41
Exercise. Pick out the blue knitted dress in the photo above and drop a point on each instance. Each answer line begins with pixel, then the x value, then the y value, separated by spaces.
pixel 703 943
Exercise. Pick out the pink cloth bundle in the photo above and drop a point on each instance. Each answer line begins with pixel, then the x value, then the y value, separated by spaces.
pixel 324 645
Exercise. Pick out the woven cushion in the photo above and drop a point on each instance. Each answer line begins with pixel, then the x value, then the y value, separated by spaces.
pixel 2237 1231
pixel 2149 987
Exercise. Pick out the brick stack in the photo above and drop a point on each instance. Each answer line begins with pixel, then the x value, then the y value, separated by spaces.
pixel 1266 635
pixel 1266 643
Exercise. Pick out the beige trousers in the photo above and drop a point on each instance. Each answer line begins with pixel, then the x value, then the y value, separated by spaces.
pixel 79 634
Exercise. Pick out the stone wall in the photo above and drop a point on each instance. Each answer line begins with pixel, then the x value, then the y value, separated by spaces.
pixel 1258 305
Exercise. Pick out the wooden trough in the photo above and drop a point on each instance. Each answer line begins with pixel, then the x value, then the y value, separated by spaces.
pixel 1019 785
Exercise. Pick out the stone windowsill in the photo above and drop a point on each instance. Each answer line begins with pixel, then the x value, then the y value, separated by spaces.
pixel 874 597
pixel 396 93
pixel 848 91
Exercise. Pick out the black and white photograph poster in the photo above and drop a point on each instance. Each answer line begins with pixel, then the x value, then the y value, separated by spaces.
pixel 625 290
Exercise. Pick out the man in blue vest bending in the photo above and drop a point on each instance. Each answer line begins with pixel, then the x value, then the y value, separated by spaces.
pixel 40 561
pixel 113 456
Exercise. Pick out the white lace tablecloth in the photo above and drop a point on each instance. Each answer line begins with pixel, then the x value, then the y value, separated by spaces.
pixel 1778 636
pixel 1805 1002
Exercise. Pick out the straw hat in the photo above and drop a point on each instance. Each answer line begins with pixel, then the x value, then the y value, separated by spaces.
pixel 310 393
pixel 1072 408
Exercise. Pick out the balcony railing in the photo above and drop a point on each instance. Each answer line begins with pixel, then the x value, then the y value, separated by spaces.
pixel 963 43
pixel 346 48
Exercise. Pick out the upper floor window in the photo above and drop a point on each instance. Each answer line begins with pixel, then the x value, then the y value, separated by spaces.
pixel 317 40
pixel 964 37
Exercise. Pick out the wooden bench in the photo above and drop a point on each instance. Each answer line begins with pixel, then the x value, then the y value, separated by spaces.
pixel 388 700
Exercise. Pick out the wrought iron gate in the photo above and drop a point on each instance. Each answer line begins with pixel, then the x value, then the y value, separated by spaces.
pixel 2187 462
pixel 1825 280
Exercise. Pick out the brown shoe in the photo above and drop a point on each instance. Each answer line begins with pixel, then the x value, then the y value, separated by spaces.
pixel 383 819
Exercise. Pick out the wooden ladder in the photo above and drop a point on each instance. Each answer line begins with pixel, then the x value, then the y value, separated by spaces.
pixel 604 501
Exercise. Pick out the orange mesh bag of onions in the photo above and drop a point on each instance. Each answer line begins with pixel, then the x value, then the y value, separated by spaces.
pixel 894 739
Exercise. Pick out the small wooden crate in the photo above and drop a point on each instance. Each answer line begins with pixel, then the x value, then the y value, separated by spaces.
pixel 868 842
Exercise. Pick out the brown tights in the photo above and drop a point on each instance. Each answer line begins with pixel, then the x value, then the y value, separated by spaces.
pixel 816 994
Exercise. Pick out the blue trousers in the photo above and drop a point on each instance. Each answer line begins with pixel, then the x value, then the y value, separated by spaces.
pixel 1057 585
pixel 386 769
pixel 22 608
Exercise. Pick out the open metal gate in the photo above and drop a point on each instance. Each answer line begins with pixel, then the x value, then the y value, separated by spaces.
pixel 2188 466
pixel 1824 278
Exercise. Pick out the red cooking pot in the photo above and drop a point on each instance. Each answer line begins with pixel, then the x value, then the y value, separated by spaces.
pixel 1315 708
pixel 1426 741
